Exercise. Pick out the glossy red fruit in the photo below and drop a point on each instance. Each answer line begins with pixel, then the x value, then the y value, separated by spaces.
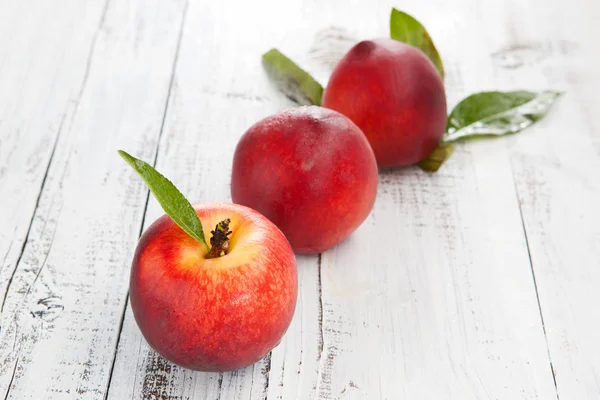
pixel 394 93
pixel 311 171
pixel 217 314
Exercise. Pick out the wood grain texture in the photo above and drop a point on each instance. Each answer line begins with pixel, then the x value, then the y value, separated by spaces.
pixel 555 166
pixel 43 66
pixel 61 316
pixel 478 282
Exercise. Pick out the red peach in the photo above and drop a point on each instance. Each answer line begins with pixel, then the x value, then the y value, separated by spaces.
pixel 216 314
pixel 311 171
pixel 393 92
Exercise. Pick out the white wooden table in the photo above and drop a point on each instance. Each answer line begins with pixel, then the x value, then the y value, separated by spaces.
pixel 478 282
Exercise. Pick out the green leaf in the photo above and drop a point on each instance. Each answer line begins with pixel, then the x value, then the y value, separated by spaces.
pixel 170 198
pixel 489 114
pixel 292 80
pixel 497 113
pixel 407 29
pixel 435 160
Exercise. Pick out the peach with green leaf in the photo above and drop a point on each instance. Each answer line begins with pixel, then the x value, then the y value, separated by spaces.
pixel 216 307
pixel 393 90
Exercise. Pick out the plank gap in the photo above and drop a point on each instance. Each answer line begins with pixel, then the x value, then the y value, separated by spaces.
pixel 320 314
pixel 112 365
pixel 266 372
pixel 169 92
pixel 144 213
pixel 537 295
pixel 88 63
pixel 11 379
pixel 37 203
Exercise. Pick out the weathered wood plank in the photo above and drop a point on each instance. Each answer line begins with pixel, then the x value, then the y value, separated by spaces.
pixel 555 168
pixel 446 310
pixel 294 363
pixel 42 69
pixel 63 309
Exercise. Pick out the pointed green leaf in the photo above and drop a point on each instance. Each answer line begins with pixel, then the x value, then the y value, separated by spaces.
pixel 292 80
pixel 170 198
pixel 489 114
pixel 497 113
pixel 407 29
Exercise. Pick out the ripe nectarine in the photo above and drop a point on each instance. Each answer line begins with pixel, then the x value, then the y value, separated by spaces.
pixel 311 171
pixel 393 92
pixel 214 314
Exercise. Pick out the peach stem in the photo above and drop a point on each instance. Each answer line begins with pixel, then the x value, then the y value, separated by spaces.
pixel 219 241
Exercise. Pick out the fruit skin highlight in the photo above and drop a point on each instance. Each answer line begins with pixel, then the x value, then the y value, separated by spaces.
pixel 394 93
pixel 217 314
pixel 311 171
